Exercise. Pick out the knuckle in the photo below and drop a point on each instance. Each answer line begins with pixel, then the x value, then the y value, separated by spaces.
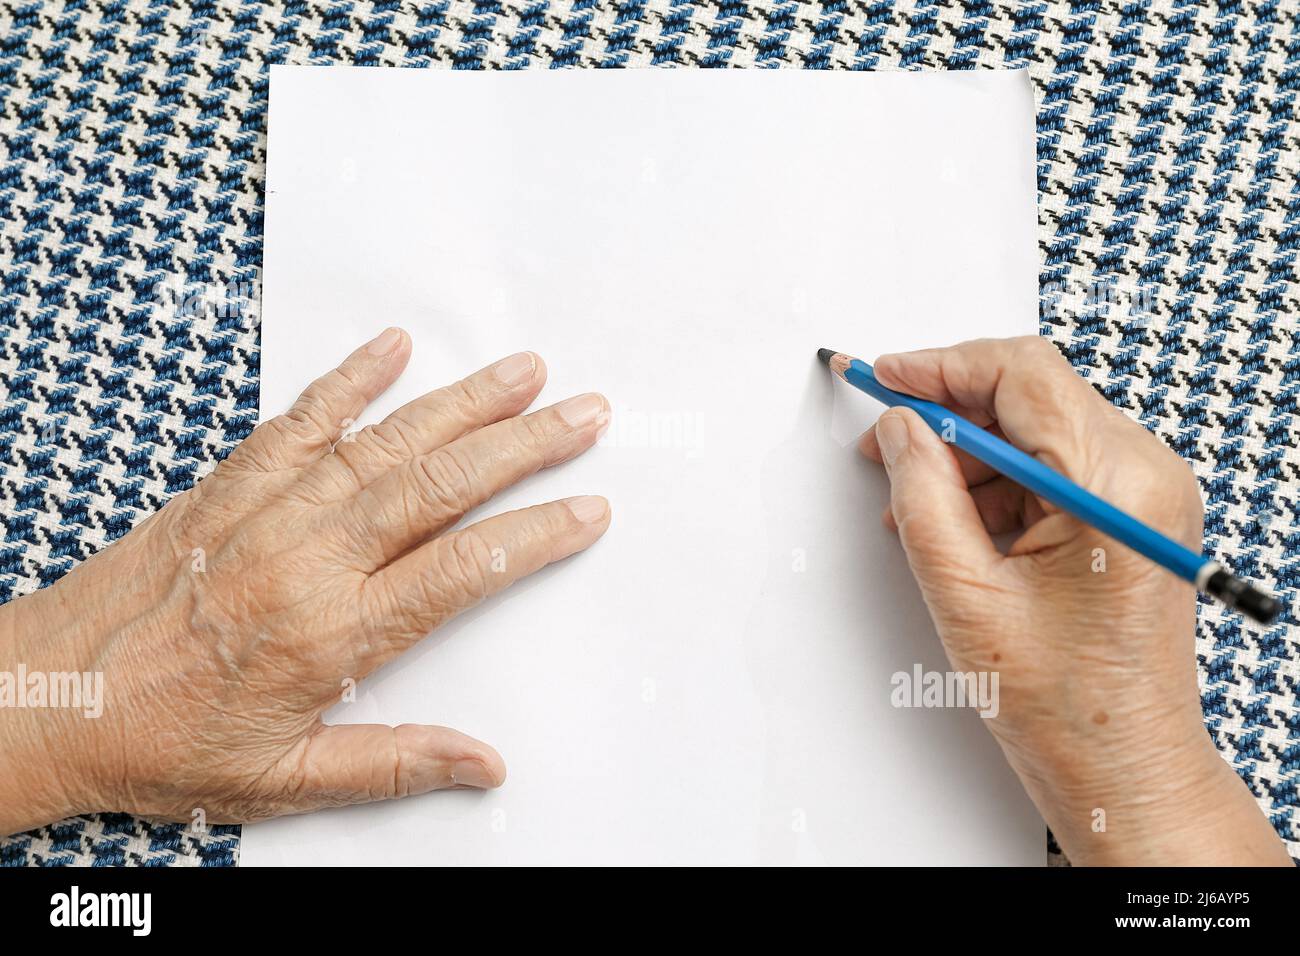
pixel 311 411
pixel 960 370
pixel 1051 405
pixel 403 608
pixel 456 408
pixel 299 420
pixel 447 483
pixel 344 381
pixel 1028 359
pixel 389 778
pixel 322 393
pixel 294 426
pixel 532 436
pixel 1040 348
pixel 1156 482
pixel 467 397
pixel 387 439
pixel 534 429
pixel 464 563
pixel 558 522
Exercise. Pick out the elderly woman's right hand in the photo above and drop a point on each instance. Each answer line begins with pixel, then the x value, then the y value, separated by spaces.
pixel 1094 644
pixel 228 622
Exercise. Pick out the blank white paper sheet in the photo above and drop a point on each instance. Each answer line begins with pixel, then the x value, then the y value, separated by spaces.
pixel 711 682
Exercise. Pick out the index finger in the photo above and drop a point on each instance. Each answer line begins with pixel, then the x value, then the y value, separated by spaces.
pixel 1025 385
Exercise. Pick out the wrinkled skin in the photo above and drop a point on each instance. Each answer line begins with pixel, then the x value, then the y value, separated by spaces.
pixel 228 622
pixel 1094 645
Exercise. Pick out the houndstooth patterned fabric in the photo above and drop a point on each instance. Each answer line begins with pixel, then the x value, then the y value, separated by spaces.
pixel 132 146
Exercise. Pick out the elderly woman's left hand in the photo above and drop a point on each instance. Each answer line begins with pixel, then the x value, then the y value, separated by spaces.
pixel 228 622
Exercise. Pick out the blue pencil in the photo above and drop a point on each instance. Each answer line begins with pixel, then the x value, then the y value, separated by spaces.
pixel 1206 574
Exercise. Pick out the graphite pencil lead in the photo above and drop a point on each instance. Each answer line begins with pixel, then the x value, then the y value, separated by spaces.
pixel 837 361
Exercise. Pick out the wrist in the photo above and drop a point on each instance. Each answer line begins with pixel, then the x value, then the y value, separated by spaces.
pixel 34 790
pixel 1159 798
pixel 1126 806
pixel 42 779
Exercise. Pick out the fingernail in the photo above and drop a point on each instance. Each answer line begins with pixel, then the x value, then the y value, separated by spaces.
pixel 384 342
pixel 892 437
pixel 516 369
pixel 472 773
pixel 588 509
pixel 583 410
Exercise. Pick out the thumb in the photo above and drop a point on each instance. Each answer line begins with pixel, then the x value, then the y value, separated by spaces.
pixel 938 522
pixel 360 763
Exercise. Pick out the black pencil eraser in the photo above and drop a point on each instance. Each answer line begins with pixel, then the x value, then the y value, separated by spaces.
pixel 1244 597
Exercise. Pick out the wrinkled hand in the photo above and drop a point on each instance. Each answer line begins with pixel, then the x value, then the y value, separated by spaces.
pixel 1094 645
pixel 226 623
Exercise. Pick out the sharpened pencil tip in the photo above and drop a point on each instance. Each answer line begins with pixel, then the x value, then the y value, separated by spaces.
pixel 826 355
